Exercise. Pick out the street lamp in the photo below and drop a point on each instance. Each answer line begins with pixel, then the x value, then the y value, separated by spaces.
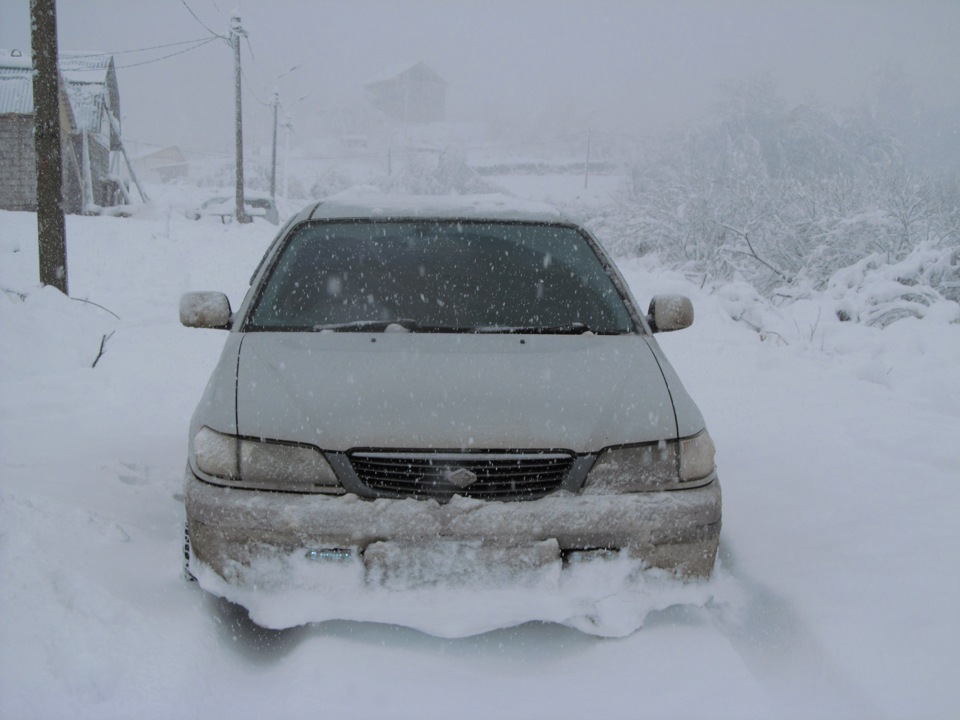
pixel 288 130
pixel 273 156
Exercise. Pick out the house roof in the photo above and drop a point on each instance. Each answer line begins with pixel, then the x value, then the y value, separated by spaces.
pixel 16 83
pixel 171 152
pixel 87 77
pixel 16 91
pixel 90 77
pixel 95 63
pixel 392 72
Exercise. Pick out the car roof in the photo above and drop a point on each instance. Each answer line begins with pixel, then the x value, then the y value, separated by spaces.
pixel 370 204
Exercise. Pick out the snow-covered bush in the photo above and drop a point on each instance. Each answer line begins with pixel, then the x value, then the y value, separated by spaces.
pixel 785 199
pixel 214 174
pixel 329 181
pixel 443 173
pixel 877 292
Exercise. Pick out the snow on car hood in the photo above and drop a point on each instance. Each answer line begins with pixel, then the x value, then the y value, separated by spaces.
pixel 451 391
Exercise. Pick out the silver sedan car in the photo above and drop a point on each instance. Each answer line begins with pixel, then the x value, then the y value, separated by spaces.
pixel 415 373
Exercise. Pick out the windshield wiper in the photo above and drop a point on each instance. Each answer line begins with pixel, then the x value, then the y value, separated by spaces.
pixel 356 326
pixel 574 328
pixel 397 325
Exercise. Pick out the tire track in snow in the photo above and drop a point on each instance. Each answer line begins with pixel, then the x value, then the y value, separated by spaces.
pixel 782 651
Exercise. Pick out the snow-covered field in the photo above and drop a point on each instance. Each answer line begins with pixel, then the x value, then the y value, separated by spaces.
pixel 839 453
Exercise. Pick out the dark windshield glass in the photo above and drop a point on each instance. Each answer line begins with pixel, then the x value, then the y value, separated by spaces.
pixel 440 276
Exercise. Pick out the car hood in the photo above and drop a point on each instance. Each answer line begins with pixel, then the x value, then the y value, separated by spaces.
pixel 452 391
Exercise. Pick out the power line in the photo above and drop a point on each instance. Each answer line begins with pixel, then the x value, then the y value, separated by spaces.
pixel 259 78
pixel 223 37
pixel 250 48
pixel 137 50
pixel 164 57
pixel 253 60
pixel 250 85
pixel 250 88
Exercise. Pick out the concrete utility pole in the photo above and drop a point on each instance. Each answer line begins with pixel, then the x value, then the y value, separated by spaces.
pixel 287 129
pixel 236 32
pixel 51 228
pixel 286 125
pixel 586 165
pixel 273 159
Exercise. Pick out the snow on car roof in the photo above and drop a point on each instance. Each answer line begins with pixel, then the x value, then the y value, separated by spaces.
pixel 368 203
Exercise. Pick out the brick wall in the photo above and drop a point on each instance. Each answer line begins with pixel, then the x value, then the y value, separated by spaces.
pixel 18 168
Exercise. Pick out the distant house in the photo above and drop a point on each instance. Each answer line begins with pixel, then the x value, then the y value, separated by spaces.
pixel 165 164
pixel 353 142
pixel 411 93
pixel 89 127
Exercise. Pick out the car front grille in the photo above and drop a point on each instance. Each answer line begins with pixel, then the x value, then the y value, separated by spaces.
pixel 502 476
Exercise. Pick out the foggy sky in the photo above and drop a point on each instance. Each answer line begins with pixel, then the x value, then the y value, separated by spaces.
pixel 636 67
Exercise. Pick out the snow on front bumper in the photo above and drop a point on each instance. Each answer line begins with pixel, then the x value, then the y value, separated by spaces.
pixel 231 529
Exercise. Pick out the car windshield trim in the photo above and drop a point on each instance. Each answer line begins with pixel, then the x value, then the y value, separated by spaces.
pixel 410 326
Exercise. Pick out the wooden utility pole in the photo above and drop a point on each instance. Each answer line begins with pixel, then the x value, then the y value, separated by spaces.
pixel 236 31
pixel 51 228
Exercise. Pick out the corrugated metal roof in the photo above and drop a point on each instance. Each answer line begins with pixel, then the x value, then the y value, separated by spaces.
pixel 84 69
pixel 84 61
pixel 16 91
pixel 85 77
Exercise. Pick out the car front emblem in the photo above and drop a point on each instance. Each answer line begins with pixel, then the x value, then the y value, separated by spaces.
pixel 461 477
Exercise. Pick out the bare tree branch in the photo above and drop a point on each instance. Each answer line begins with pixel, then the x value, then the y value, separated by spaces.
pixel 21 296
pixel 91 302
pixel 753 252
pixel 103 343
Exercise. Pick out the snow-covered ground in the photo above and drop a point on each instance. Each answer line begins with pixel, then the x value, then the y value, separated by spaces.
pixel 560 189
pixel 839 453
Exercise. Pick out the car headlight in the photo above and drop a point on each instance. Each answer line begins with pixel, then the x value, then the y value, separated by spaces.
pixel 262 464
pixel 697 457
pixel 666 465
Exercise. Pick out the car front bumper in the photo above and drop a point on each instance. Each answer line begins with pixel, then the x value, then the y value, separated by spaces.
pixel 230 529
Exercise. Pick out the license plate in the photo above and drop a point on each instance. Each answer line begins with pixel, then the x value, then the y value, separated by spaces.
pixel 407 565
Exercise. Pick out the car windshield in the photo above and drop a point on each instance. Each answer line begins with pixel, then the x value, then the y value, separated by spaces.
pixel 440 276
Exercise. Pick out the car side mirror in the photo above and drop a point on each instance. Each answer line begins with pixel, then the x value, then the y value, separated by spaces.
pixel 670 312
pixel 205 310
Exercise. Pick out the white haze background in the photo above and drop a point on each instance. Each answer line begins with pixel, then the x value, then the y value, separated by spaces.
pixel 824 355
pixel 637 67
